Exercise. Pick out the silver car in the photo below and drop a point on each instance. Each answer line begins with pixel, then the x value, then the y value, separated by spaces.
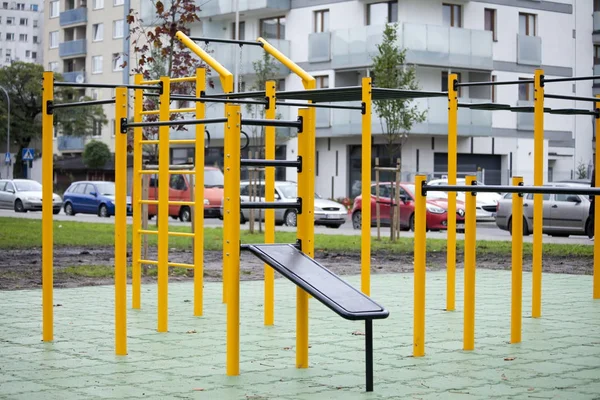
pixel 328 213
pixel 564 214
pixel 24 195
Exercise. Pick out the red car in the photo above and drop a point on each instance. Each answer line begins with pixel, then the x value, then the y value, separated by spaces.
pixel 437 208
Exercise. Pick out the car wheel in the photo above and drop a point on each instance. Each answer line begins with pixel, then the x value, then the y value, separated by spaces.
pixel 19 206
pixel 56 211
pixel 242 218
pixel 525 230
pixel 290 218
pixel 185 214
pixel 589 228
pixel 69 209
pixel 334 226
pixel 103 211
pixel 411 223
pixel 150 216
pixel 357 220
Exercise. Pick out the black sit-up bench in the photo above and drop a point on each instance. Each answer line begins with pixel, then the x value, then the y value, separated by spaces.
pixel 326 287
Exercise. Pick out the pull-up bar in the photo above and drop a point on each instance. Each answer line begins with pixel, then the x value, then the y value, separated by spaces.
pixel 334 106
pixel 80 104
pixel 525 109
pixel 250 122
pixel 586 191
pixel 230 41
pixel 576 98
pixel 571 79
pixel 203 99
pixel 492 83
pixel 107 85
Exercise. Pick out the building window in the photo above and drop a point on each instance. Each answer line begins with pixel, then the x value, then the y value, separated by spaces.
pixel 35 23
pixel 21 6
pixel 27 53
pixel 382 13
pixel 322 81
pixel 10 20
pixel 35 39
pixel 98 32
pixel 272 28
pixel 596 54
pixel 445 82
pixel 118 29
pixel 34 55
pixel 5 5
pixel 525 90
pixel 10 37
pixel 527 24
pixel 321 21
pixel 33 7
pixel 490 22
pixel 96 128
pixel 596 5
pixel 98 4
pixel 8 55
pixel 53 66
pixel 53 39
pixel 493 89
pixel 54 9
pixel 452 15
pixel 119 2
pixel 242 28
pixel 23 21
pixel 94 94
pixel 117 61
pixel 96 64
pixel 22 37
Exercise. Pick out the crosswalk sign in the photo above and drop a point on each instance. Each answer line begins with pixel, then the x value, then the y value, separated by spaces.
pixel 7 158
pixel 27 155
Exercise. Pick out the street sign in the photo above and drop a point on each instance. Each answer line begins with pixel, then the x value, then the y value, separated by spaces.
pixel 7 158
pixel 27 154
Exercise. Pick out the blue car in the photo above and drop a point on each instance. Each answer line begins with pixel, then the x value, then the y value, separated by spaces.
pixel 92 197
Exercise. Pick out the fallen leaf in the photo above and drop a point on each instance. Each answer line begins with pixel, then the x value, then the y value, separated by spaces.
pixel 198 390
pixel 509 358
pixel 193 331
pixel 286 348
pixel 358 333
pixel 530 389
pixel 504 378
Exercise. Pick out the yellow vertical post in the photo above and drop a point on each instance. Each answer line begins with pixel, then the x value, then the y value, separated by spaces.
pixel 365 234
pixel 136 242
pixel 452 161
pixel 419 277
pixel 163 206
pixel 47 204
pixel 517 263
pixel 199 198
pixel 470 243
pixel 231 225
pixel 120 223
pixel 538 198
pixel 596 289
pixel 269 300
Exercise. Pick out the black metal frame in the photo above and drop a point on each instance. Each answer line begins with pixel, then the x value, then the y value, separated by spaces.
pixel 334 106
pixel 492 83
pixel 588 191
pixel 566 97
pixel 53 106
pixel 249 122
pixel 108 85
pixel 268 205
pixel 272 163
pixel 230 41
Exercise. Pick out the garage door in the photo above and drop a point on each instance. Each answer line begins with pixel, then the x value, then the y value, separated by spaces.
pixel 470 164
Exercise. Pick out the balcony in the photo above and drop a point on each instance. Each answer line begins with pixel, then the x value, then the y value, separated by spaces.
pixel 319 47
pixel 249 54
pixel 529 50
pixel 74 16
pixel 524 120
pixel 72 48
pixel 72 76
pixel 426 45
pixel 70 143
pixel 222 8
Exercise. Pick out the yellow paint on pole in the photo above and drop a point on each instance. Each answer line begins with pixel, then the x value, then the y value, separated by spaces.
pixel 136 242
pixel 452 168
pixel 538 198
pixel 199 198
pixel 470 243
pixel 47 208
pixel 365 234
pixel 596 289
pixel 120 223
pixel 270 137
pixel 419 267
pixel 516 314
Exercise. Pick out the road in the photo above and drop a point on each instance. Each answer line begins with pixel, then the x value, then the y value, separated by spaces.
pixel 485 230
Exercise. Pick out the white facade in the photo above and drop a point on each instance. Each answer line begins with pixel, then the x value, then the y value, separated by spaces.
pixel 21 30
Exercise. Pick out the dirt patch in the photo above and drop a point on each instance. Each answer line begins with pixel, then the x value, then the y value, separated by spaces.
pixel 21 269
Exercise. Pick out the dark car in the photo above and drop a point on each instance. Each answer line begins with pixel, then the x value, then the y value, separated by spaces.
pixel 92 197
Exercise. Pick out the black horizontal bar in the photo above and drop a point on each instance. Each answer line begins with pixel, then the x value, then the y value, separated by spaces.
pixel 513 189
pixel 272 122
pixel 238 101
pixel 269 163
pixel 230 41
pixel 493 83
pixel 83 103
pixel 106 85
pixel 233 95
pixel 279 205
pixel 576 98
pixel 291 103
pixel 173 123
pixel 572 79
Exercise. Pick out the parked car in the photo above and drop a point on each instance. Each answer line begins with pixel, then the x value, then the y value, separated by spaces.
pixel 485 202
pixel 180 189
pixel 92 197
pixel 24 195
pixel 563 215
pixel 437 208
pixel 327 212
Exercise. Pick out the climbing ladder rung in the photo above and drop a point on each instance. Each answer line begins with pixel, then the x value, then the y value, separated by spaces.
pixel 148 201
pixel 171 264
pixel 172 172
pixel 182 203
pixel 151 262
pixel 180 234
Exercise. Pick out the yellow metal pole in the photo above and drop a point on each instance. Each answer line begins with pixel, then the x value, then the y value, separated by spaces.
pixel 517 263
pixel 47 204
pixel 231 229
pixel 163 207
pixel 452 161
pixel 538 198
pixel 270 140
pixel 120 223
pixel 470 243
pixel 199 198
pixel 419 278
pixel 596 289
pixel 307 80
pixel 365 233
pixel 136 243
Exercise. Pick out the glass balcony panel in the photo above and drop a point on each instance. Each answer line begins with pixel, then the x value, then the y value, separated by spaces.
pixel 529 50
pixel 71 143
pixel 525 120
pixel 218 7
pixel 72 48
pixel 72 76
pixel 74 16
pixel 319 47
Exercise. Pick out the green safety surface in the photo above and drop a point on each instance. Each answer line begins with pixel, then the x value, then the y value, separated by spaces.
pixel 559 357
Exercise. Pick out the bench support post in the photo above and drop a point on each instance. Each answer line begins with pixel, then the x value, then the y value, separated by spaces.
pixel 369 353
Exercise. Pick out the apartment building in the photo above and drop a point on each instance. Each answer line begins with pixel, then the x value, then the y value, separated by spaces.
pixel 480 41
pixel 84 41
pixel 21 29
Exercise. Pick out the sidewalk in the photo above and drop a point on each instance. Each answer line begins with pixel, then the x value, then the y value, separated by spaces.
pixel 559 357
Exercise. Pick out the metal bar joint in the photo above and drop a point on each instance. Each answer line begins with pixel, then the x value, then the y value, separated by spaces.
pixel 123 125
pixel 50 107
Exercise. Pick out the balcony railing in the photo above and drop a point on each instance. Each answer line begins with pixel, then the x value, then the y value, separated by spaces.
pixel 426 45
pixel 525 120
pixel 71 143
pixel 319 47
pixel 72 76
pixel 247 55
pixel 223 7
pixel 529 50
pixel 72 48
pixel 74 16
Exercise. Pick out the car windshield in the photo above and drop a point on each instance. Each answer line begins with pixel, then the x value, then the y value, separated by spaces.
pixel 106 188
pixel 290 191
pixel 28 186
pixel 213 178
pixel 431 194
